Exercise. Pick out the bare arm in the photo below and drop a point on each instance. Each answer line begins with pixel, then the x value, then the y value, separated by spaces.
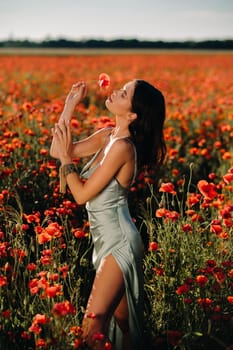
pixel 113 162
pixel 88 145
pixel 76 94
pixel 119 155
pixel 91 144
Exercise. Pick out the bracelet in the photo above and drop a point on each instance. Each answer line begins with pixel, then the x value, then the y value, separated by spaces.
pixel 68 169
pixel 64 171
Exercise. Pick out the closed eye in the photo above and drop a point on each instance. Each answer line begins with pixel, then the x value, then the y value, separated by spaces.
pixel 124 93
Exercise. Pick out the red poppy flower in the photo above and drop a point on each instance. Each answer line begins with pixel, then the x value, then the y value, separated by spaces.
pixel 35 328
pixel 211 263
pixel 201 280
pixel 228 178
pixel 215 227
pixel 108 346
pixel 207 189
pixel 161 212
pixel 77 343
pixel 64 270
pixel 183 289
pixel 104 80
pixel 219 276
pixel 40 319
pixel 31 267
pixel 172 215
pixel 6 313
pixel 158 271
pixel 204 302
pixel 53 291
pixel 153 246
pixel 31 218
pixel 79 233
pixel 3 281
pixel 167 187
pixel 41 343
pixel 76 330
pixel 193 198
pixel 63 308
pixel 187 228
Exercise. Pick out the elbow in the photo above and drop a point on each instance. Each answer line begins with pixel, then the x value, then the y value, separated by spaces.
pixel 80 197
pixel 80 201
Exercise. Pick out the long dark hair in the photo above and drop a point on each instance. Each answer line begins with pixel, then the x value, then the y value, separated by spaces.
pixel 147 129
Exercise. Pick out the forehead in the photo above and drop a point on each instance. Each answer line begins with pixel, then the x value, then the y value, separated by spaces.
pixel 129 87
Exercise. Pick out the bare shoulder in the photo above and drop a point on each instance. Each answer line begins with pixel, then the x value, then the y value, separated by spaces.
pixel 123 148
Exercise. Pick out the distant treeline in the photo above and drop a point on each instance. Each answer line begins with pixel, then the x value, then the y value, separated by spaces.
pixel 119 44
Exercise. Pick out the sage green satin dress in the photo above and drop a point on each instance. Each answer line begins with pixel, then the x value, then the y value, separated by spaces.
pixel 113 232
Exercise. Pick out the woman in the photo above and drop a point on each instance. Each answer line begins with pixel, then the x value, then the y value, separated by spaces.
pixel 116 300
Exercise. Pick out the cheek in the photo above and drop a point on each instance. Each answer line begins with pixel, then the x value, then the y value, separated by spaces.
pixel 119 106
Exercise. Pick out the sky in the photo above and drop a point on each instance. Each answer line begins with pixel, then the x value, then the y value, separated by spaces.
pixel 112 19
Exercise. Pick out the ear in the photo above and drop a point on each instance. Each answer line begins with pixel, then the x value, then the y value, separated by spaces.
pixel 132 117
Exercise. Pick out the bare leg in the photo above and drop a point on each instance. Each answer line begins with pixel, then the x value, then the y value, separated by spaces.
pixel 121 315
pixel 107 292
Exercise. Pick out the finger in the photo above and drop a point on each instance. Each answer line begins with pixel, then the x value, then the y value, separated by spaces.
pixel 67 122
pixel 82 90
pixel 62 126
pixel 77 85
pixel 65 130
pixel 58 132
pixel 68 134
pixel 54 133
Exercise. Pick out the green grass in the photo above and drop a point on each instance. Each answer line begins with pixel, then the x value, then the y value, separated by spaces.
pixel 68 51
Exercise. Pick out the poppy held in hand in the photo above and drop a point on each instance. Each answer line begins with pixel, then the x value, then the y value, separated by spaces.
pixel 104 80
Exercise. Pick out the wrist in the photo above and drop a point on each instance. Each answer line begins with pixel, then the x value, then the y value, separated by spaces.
pixel 64 171
pixel 65 160
pixel 67 112
pixel 69 107
pixel 68 168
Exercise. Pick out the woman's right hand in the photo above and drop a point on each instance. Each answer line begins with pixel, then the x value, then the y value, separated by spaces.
pixel 77 93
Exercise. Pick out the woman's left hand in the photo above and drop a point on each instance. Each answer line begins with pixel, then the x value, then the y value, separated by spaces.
pixel 63 141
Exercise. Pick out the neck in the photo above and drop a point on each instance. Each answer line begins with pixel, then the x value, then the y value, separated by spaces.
pixel 120 131
pixel 122 127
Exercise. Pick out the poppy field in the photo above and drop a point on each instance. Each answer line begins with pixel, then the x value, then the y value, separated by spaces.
pixel 184 211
